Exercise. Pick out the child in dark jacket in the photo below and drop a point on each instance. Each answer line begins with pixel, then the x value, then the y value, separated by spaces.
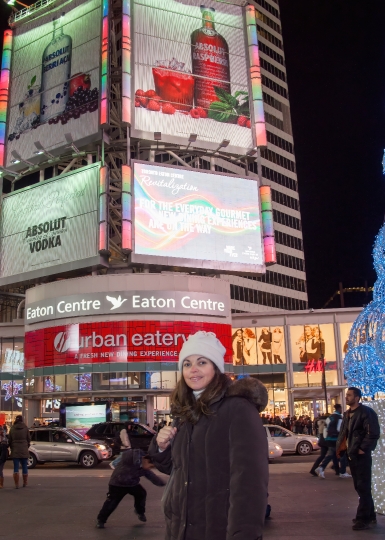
pixel 126 479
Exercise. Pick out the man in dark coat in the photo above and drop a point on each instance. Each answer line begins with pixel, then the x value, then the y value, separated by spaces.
pixel 225 497
pixel 126 480
pixel 358 437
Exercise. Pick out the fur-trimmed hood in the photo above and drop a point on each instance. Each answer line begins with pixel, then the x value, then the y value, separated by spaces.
pixel 251 389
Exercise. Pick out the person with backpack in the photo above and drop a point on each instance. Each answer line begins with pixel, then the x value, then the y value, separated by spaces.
pixel 126 480
pixel 331 432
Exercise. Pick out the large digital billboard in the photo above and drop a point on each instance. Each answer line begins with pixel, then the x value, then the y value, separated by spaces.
pixel 191 73
pixel 197 219
pixel 50 224
pixel 55 79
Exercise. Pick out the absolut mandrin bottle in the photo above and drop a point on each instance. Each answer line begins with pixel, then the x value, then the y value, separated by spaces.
pixel 56 72
pixel 210 59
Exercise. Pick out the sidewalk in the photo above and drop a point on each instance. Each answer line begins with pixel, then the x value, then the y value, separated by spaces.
pixel 62 502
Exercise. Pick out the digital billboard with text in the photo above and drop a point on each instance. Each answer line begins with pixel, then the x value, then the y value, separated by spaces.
pixel 55 79
pixel 191 73
pixel 186 217
pixel 50 224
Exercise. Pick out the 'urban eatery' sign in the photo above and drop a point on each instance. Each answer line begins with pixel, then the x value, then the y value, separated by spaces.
pixel 129 302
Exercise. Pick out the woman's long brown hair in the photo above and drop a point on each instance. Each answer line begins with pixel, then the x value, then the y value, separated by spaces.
pixel 187 408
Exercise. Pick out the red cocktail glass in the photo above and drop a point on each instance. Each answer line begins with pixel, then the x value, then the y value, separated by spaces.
pixel 174 86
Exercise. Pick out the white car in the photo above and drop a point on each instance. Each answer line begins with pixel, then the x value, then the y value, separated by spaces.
pixel 275 450
pixel 291 442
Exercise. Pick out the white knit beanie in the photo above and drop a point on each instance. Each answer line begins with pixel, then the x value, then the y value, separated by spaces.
pixel 208 345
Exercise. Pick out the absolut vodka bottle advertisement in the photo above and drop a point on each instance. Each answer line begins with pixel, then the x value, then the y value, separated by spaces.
pixel 50 224
pixel 55 79
pixel 191 72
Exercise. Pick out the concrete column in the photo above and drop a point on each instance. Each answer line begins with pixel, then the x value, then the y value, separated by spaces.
pixel 150 410
pixel 31 410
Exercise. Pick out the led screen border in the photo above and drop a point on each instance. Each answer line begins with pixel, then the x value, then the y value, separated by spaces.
pixel 268 225
pixel 5 78
pixel 104 79
pixel 255 78
pixel 194 264
pixel 126 61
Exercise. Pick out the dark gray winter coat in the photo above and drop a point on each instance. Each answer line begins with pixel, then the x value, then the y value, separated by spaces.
pixel 19 440
pixel 129 470
pixel 218 489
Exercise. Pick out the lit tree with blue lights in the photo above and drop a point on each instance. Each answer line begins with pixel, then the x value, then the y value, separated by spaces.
pixel 364 364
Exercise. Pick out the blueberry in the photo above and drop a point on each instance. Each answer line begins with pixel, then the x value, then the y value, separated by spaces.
pixel 58 95
pixel 52 101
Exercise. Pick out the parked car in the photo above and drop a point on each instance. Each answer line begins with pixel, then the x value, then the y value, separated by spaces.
pixel 292 442
pixel 275 451
pixel 62 444
pixel 139 434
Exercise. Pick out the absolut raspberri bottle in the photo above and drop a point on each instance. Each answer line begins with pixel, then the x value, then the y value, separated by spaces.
pixel 210 60
pixel 56 72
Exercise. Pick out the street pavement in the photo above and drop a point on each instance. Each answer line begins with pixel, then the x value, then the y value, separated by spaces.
pixel 62 501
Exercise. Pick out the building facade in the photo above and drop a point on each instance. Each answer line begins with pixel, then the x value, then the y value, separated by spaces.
pixel 284 284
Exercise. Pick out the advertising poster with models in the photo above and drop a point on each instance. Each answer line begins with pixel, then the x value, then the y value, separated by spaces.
pixel 55 79
pixel 260 346
pixel 187 214
pixel 191 72
pixel 310 342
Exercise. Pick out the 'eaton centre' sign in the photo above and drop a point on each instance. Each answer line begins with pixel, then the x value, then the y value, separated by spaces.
pixel 131 302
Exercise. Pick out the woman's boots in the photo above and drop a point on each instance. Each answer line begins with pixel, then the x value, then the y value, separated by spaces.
pixel 16 479
pixel 25 480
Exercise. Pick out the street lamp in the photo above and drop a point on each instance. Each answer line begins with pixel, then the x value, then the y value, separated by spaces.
pixel 13 2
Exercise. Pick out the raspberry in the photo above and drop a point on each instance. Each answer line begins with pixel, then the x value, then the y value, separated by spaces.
pixel 167 108
pixel 137 103
pixel 150 93
pixel 242 121
pixel 143 101
pixel 202 112
pixel 139 93
pixel 194 113
pixel 153 106
pixel 248 124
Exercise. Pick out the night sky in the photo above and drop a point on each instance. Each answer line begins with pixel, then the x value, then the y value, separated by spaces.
pixel 335 56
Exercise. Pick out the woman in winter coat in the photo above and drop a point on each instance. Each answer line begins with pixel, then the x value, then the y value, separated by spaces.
pixel 216 451
pixel 19 441
pixel 3 454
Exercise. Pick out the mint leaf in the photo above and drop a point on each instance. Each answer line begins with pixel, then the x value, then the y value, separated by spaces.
pixel 241 93
pixel 226 97
pixel 221 112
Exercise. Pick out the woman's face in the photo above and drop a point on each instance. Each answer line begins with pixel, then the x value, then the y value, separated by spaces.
pixel 198 371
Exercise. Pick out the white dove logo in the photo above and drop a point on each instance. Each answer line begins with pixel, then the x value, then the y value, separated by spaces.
pixel 116 302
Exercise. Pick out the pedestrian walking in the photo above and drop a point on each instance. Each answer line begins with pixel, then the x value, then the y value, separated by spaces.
pixel 19 441
pixel 126 480
pixel 321 423
pixel 216 452
pixel 331 432
pixel 3 454
pixel 358 437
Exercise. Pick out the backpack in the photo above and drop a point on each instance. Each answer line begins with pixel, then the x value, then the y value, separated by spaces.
pixel 332 427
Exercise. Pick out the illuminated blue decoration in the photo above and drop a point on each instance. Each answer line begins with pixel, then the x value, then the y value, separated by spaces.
pixel 383 163
pixel 364 364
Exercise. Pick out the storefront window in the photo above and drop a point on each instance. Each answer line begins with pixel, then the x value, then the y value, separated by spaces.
pixel 30 386
pixel 11 402
pixel 84 381
pixel 60 383
pixel 118 381
pixel 72 384
pixel 133 380
pixel 49 383
pixel 101 381
pixel 278 399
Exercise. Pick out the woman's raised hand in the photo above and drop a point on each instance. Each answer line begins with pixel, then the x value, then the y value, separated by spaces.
pixel 165 437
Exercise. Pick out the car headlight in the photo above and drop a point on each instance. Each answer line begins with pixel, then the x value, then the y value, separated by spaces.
pixel 277 447
pixel 100 446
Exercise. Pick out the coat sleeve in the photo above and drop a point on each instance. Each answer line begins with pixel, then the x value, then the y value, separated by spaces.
pixel 249 473
pixel 155 479
pixel 372 431
pixel 161 460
